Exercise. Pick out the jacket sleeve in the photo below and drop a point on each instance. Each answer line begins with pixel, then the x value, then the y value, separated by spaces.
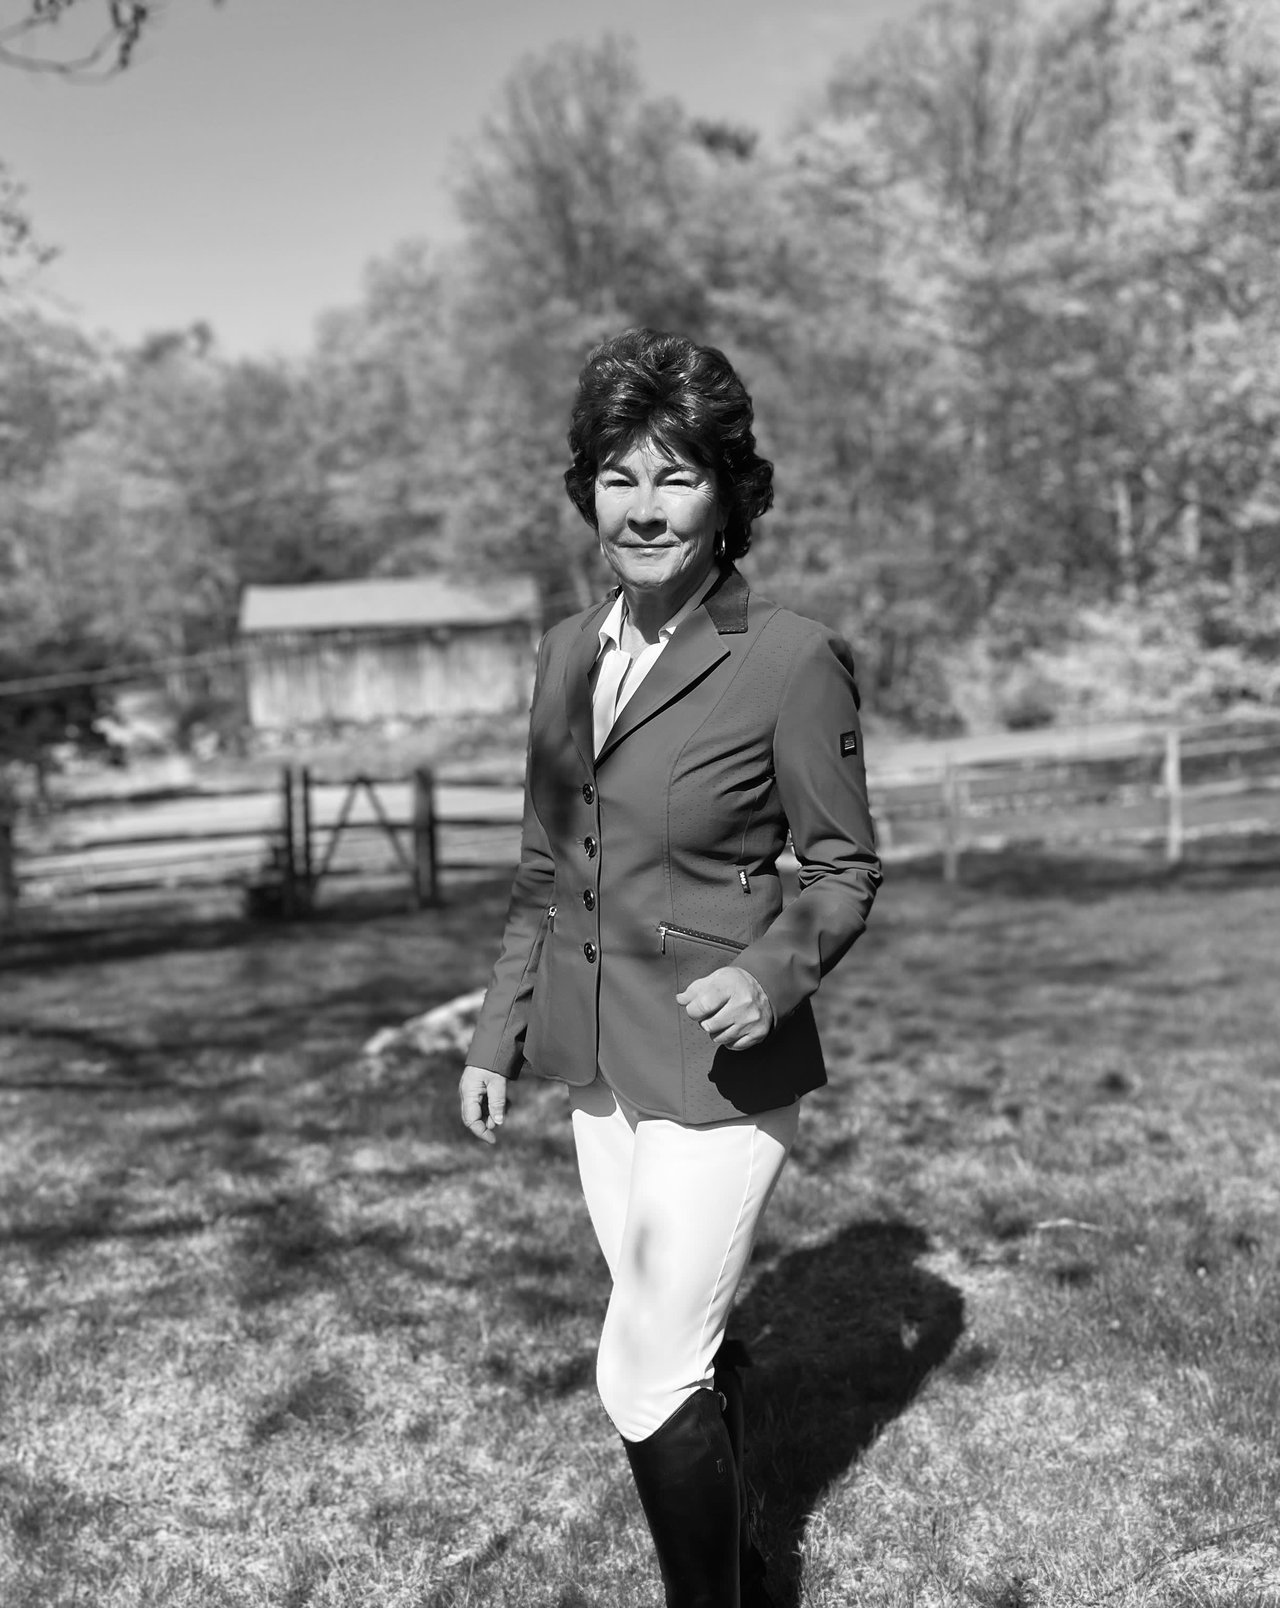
pixel 498 1041
pixel 822 783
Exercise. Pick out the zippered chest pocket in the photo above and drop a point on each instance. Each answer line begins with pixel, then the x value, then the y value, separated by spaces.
pixel 668 930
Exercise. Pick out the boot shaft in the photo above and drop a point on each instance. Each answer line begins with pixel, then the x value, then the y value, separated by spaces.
pixel 687 1481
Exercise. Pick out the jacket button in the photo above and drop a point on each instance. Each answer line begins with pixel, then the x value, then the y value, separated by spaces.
pixel 589 950
pixel 588 792
pixel 589 844
pixel 589 898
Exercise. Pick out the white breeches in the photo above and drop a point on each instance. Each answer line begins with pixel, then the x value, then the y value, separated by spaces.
pixel 675 1210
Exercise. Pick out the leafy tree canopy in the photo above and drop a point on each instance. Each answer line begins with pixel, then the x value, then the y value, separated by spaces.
pixel 1005 297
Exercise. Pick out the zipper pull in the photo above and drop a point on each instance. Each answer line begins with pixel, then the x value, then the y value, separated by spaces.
pixel 551 917
pixel 742 878
pixel 662 934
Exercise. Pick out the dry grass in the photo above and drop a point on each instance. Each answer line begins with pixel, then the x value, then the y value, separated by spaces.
pixel 275 1332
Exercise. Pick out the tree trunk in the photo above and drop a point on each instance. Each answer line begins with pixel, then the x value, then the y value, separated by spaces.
pixel 1239 567
pixel 1124 539
pixel 1189 524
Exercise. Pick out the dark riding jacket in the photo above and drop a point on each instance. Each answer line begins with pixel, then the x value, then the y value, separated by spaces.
pixel 657 862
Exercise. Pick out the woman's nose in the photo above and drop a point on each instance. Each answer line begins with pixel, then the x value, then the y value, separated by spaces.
pixel 646 508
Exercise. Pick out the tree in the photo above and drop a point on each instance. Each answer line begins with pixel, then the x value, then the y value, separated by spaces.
pixel 1037 327
pixel 79 39
pixel 53 382
pixel 45 706
pixel 388 396
pixel 21 253
pixel 576 190
pixel 589 206
pixel 228 451
pixel 1006 301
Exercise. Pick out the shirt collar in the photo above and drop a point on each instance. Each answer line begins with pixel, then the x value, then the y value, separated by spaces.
pixel 610 632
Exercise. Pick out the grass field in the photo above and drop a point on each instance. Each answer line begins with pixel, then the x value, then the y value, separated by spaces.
pixel 274 1330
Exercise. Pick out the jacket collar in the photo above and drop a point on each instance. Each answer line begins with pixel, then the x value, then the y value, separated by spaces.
pixel 726 602
pixel 692 652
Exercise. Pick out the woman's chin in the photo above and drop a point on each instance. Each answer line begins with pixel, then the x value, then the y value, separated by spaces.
pixel 657 574
pixel 646 577
pixel 649 575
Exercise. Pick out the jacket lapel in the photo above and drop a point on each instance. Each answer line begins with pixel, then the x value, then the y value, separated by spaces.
pixel 726 603
pixel 577 684
pixel 696 648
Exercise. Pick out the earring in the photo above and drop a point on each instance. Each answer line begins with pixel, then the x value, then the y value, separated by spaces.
pixel 719 544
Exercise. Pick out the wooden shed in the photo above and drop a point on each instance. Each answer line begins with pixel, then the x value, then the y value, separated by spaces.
pixel 360 653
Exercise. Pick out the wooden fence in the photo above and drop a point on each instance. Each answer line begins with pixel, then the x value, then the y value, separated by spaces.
pixel 287 847
pixel 281 848
pixel 1163 791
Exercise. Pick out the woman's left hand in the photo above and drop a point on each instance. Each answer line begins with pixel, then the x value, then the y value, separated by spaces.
pixel 730 1006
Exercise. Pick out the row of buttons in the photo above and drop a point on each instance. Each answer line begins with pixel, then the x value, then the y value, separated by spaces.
pixel 588 894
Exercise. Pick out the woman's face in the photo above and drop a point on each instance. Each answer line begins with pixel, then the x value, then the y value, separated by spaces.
pixel 657 517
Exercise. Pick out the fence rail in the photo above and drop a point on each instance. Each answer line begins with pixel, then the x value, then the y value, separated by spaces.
pixel 279 846
pixel 283 845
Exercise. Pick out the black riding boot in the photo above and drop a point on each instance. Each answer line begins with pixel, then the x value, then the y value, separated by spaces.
pixel 688 1488
pixel 729 1362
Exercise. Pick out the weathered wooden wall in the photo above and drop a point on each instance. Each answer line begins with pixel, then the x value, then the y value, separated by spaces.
pixel 362 679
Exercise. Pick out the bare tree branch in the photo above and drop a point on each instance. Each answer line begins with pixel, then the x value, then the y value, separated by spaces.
pixel 124 23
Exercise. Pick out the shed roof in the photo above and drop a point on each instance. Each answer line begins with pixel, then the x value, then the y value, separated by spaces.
pixel 386 604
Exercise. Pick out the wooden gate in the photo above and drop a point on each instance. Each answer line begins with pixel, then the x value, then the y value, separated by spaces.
pixel 309 843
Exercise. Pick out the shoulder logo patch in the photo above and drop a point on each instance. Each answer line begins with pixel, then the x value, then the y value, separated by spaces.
pixel 848 744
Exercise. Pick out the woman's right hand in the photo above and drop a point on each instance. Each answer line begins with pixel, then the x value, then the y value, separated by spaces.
pixel 484 1101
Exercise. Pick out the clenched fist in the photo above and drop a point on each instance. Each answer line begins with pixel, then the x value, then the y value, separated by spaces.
pixel 730 1006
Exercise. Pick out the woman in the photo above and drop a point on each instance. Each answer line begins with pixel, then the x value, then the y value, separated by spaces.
pixel 677 734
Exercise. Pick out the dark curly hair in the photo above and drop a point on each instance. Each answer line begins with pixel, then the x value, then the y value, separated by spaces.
pixel 644 385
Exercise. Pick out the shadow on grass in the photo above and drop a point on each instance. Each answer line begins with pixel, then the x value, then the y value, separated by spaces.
pixel 70 935
pixel 153 1009
pixel 842 1336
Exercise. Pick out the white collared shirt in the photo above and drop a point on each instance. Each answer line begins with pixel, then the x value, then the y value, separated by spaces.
pixel 617 673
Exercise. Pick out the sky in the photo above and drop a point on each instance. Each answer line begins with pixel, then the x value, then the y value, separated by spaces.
pixel 259 153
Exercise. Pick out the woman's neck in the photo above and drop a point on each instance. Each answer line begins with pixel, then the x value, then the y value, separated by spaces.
pixel 648 608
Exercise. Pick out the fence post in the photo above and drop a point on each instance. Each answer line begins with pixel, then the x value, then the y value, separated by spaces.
pixel 1173 794
pixel 288 857
pixel 950 821
pixel 8 866
pixel 426 869
pixel 308 869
